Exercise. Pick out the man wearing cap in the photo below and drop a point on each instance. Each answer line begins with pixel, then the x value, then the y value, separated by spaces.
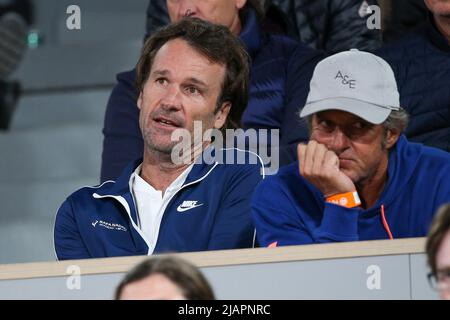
pixel 358 178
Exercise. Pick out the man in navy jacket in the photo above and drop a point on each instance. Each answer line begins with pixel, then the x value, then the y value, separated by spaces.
pixel 358 178
pixel 281 69
pixel 421 64
pixel 190 73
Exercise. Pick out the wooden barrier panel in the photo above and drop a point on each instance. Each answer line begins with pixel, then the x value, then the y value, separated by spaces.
pixel 354 270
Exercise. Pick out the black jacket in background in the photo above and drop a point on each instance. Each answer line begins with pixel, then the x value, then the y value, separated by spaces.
pixel 156 16
pixel 331 25
pixel 403 17
pixel 421 64
pixel 328 25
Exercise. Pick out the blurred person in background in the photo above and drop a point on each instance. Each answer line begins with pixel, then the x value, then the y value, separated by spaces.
pixel 15 18
pixel 332 25
pixel 438 252
pixel 328 25
pixel 421 64
pixel 400 17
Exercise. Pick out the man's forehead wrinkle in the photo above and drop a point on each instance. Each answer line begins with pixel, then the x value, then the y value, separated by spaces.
pixel 161 72
pixel 196 70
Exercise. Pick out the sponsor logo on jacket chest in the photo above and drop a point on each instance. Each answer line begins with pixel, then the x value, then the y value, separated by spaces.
pixel 108 225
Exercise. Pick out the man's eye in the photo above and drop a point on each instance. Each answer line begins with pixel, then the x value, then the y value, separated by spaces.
pixel 444 274
pixel 325 123
pixel 359 125
pixel 161 81
pixel 192 90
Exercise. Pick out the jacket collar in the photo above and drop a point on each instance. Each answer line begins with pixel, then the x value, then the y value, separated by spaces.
pixel 403 161
pixel 436 37
pixel 121 187
pixel 251 32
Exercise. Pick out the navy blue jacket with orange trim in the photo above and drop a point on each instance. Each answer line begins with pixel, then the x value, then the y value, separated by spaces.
pixel 289 210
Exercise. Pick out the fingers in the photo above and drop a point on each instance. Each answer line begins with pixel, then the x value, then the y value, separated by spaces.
pixel 301 152
pixel 309 157
pixel 319 157
pixel 320 166
pixel 331 159
pixel 314 158
pixel 306 156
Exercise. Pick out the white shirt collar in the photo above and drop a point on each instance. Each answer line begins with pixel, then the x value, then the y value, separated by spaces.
pixel 139 184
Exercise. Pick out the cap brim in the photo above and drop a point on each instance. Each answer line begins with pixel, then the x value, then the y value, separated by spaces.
pixel 372 113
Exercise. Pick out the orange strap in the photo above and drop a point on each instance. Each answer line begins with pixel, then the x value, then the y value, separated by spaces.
pixel 273 245
pixel 348 200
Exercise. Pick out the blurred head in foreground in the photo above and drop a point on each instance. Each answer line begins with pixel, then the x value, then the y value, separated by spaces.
pixel 164 278
pixel 438 252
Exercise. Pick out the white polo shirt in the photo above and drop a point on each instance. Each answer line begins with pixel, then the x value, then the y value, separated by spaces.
pixel 151 204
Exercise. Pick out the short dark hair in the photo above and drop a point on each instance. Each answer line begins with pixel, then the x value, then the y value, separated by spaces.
pixel 216 43
pixel 438 230
pixel 185 275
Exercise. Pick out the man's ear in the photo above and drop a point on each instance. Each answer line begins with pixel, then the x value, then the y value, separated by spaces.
pixel 428 4
pixel 392 137
pixel 222 115
pixel 139 101
pixel 240 4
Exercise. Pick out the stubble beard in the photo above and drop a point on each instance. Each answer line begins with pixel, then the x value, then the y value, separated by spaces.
pixel 153 146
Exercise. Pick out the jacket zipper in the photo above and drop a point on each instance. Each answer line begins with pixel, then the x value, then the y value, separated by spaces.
pixel 126 206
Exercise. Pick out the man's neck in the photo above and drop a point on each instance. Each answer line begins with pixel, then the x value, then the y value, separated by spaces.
pixel 443 25
pixel 236 26
pixel 159 170
pixel 371 188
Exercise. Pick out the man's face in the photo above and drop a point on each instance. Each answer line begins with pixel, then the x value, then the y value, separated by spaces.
pixel 154 287
pixel 223 12
pixel 439 7
pixel 183 87
pixel 357 143
pixel 443 266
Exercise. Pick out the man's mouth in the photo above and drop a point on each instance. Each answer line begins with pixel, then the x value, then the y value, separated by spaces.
pixel 167 122
pixel 344 162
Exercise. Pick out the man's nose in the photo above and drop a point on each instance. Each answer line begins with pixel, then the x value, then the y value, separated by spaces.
pixel 338 141
pixel 172 98
pixel 186 8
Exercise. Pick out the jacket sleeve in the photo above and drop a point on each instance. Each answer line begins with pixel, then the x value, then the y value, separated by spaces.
pixel 122 142
pixel 279 220
pixel 233 227
pixel 347 27
pixel 293 129
pixel 67 238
